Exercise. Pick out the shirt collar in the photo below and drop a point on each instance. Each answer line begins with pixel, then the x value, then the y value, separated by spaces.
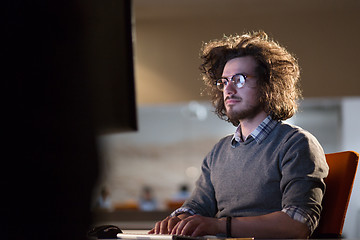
pixel 260 133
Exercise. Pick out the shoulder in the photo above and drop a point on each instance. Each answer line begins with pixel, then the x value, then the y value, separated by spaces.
pixel 288 138
pixel 297 141
pixel 293 133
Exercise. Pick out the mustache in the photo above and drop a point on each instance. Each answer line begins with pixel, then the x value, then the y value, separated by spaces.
pixel 233 97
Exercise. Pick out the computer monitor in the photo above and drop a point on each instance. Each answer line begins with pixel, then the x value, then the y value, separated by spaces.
pixel 109 49
pixel 68 76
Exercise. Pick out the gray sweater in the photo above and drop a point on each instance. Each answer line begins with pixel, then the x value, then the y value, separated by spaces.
pixel 285 169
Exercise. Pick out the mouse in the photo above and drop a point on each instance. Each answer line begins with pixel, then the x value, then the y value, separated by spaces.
pixel 104 231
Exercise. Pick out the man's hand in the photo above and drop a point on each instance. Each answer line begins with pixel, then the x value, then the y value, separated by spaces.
pixel 197 225
pixel 166 226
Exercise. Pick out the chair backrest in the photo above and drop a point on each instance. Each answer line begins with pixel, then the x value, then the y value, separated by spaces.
pixel 339 184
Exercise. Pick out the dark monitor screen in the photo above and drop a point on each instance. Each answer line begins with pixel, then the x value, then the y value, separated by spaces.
pixel 109 50
pixel 68 76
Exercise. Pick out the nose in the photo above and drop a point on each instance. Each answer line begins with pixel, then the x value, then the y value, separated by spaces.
pixel 230 88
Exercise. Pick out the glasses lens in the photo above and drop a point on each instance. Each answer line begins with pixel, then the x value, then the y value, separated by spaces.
pixel 238 80
pixel 220 83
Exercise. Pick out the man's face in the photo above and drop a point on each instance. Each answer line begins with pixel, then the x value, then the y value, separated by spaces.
pixel 242 103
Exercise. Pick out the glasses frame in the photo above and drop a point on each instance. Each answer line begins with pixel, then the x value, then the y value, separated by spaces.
pixel 239 84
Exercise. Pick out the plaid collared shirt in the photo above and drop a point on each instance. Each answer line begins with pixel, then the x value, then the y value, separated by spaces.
pixel 259 134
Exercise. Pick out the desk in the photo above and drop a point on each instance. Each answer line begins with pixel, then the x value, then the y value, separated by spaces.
pixel 138 231
pixel 292 239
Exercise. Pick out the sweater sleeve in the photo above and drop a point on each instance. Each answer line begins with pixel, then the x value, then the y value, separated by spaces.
pixel 303 168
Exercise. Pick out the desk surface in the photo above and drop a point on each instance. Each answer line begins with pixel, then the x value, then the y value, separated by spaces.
pixel 145 232
pixel 289 239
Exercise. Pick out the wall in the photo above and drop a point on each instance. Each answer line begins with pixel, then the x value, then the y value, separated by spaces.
pixel 169 35
pixel 351 141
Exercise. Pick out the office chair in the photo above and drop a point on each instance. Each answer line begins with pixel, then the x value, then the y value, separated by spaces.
pixel 339 184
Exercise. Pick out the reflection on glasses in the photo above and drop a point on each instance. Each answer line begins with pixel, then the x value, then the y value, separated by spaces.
pixel 238 80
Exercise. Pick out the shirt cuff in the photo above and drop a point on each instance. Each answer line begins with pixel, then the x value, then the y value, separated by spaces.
pixel 182 210
pixel 301 215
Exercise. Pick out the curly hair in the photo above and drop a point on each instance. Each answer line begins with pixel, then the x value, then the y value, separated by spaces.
pixel 278 71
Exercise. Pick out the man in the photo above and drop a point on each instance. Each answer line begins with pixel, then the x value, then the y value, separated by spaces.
pixel 265 181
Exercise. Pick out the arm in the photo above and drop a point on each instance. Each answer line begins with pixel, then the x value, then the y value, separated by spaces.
pixel 273 225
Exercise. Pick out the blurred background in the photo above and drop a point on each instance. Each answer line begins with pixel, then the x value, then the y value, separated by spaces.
pixel 145 170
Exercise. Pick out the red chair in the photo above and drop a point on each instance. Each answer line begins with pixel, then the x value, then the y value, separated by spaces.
pixel 339 184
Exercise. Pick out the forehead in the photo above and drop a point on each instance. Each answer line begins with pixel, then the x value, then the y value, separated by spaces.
pixel 245 65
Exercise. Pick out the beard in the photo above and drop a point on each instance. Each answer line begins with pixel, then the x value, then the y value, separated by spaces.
pixel 249 112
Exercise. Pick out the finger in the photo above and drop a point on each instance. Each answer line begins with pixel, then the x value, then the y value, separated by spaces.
pixel 152 231
pixel 172 223
pixel 193 227
pixel 189 228
pixel 164 226
pixel 157 228
pixel 181 226
pixel 174 229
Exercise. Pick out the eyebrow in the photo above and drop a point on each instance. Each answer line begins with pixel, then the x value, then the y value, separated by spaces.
pixel 235 74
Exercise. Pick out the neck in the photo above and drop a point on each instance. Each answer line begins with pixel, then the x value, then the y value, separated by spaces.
pixel 249 125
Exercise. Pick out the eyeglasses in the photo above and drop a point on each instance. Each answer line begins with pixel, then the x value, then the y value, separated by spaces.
pixel 238 80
